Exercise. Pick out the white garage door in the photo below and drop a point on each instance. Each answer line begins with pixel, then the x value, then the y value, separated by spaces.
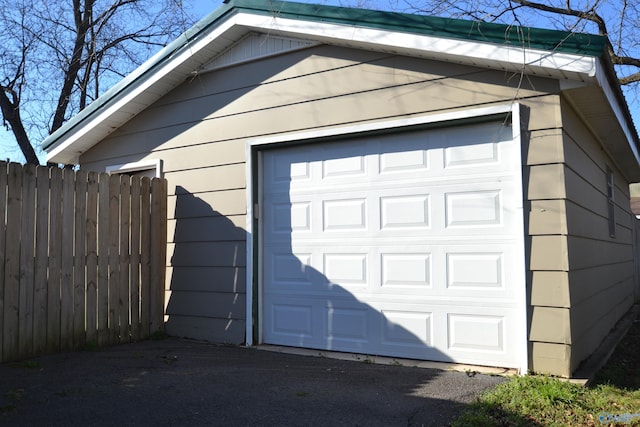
pixel 405 245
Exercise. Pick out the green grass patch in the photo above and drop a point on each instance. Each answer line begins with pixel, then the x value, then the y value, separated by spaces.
pixel 540 400
pixel 612 400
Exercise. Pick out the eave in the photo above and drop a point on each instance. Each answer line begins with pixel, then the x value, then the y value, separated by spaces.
pixel 575 60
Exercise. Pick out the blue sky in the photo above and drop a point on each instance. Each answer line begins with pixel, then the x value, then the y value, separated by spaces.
pixel 199 9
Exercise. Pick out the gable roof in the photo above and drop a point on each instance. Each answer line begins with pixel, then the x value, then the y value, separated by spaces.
pixel 577 60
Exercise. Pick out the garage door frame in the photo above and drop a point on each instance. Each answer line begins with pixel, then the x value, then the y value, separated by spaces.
pixel 254 149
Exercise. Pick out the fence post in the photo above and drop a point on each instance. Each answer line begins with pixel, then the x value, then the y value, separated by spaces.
pixel 145 259
pixel 12 263
pixel 3 205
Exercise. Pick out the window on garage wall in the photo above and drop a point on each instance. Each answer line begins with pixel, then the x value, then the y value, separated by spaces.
pixel 150 169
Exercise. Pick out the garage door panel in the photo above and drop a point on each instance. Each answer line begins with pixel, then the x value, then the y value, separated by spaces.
pixel 401 245
pixel 404 211
pixel 403 328
pixel 405 270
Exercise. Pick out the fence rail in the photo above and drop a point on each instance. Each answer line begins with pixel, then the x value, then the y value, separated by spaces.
pixel 82 259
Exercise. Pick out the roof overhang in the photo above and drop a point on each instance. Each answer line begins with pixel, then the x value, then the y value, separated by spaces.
pixel 574 60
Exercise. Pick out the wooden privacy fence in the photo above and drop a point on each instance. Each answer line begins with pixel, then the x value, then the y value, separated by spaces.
pixel 82 259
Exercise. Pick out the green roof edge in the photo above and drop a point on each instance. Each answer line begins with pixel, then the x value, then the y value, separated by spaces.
pixel 552 40
pixel 549 40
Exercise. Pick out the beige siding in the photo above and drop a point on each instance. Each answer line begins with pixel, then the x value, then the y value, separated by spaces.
pixel 199 132
pixel 605 264
pixel 581 277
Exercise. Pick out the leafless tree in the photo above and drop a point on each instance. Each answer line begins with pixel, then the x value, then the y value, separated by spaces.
pixel 57 56
pixel 619 20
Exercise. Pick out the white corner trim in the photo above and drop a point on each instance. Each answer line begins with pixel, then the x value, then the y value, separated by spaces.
pixel 522 345
pixel 155 165
pixel 250 268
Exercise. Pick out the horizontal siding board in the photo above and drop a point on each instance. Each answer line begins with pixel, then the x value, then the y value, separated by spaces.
pixel 207 279
pixel 551 358
pixel 211 154
pixel 548 217
pixel 550 289
pixel 205 328
pixel 549 253
pixel 208 254
pixel 207 179
pixel 227 202
pixel 590 281
pixel 207 229
pixel 585 253
pixel 592 320
pixel 207 304
pixel 544 146
pixel 545 182
pixel 550 324
pixel 585 223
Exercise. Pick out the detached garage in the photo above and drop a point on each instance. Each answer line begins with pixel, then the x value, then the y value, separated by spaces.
pixel 381 183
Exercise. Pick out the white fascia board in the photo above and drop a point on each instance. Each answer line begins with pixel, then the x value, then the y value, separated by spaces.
pixel 516 57
pixel 603 82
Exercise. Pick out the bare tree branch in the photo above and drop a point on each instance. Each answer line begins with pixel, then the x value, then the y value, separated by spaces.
pixel 55 57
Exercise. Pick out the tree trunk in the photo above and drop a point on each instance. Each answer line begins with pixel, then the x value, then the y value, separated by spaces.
pixel 11 115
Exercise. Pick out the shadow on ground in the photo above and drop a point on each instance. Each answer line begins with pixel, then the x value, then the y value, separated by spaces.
pixel 179 382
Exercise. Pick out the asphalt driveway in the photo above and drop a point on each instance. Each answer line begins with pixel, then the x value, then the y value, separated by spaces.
pixel 175 382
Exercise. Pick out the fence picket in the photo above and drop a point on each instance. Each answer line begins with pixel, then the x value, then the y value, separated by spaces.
pixel 41 262
pixel 66 284
pixel 91 230
pixel 134 272
pixel 103 260
pixel 114 256
pixel 124 303
pixel 82 259
pixel 79 260
pixel 27 257
pixel 55 259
